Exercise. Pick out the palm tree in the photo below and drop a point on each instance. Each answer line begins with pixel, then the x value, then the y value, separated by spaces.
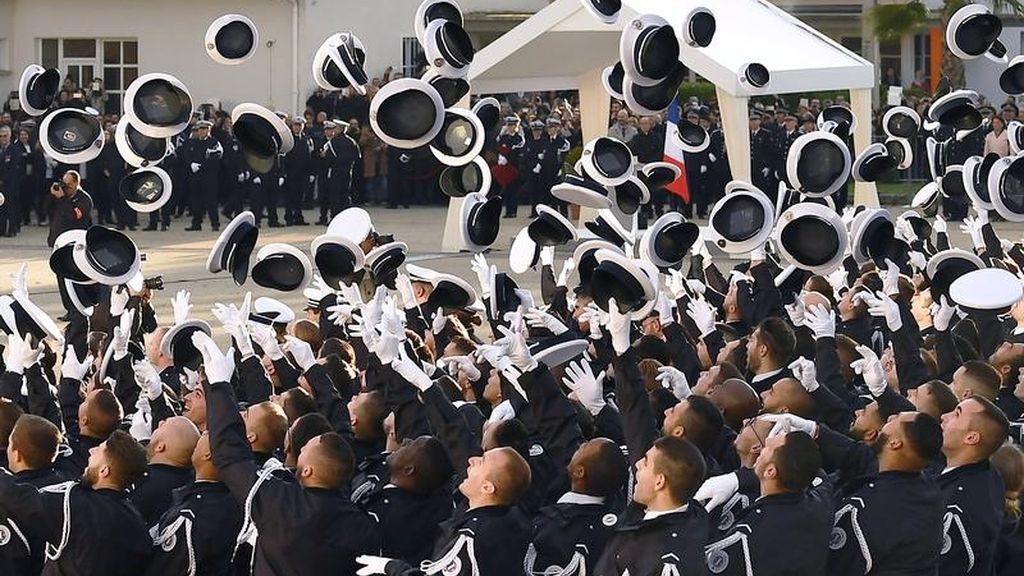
pixel 952 67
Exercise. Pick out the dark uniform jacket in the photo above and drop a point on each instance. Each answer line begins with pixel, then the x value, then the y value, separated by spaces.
pixel 196 536
pixel 671 543
pixel 302 531
pixel 153 493
pixel 973 518
pixel 409 522
pixel 74 213
pixel 490 540
pixel 568 537
pixel 21 547
pixel 86 531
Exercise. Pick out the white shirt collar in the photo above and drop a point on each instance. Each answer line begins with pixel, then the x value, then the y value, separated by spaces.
pixel 650 515
pixel 766 375
pixel 1018 330
pixel 577 498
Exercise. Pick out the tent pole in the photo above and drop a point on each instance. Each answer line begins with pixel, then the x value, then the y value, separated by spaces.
pixel 736 128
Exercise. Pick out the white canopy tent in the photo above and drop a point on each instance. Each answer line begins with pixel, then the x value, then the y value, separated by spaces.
pixel 564 47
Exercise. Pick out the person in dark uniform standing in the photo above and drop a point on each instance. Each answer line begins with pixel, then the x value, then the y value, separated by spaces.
pixel 762 156
pixel 32 171
pixel 511 142
pixel 649 146
pixel 236 177
pixel 202 159
pixel 297 166
pixel 789 134
pixel 10 211
pixel 340 154
pixel 531 166
pixel 551 166
pixel 700 179
pixel 71 209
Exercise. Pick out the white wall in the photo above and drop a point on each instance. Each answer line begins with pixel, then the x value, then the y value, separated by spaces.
pixel 982 74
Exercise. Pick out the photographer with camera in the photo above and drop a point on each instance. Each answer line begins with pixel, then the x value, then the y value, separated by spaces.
pixel 71 208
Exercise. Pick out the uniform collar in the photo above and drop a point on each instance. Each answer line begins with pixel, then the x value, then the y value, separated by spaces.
pixel 766 375
pixel 577 498
pixel 651 515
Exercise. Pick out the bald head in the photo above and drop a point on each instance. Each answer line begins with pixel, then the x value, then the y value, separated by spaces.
pixel 173 442
pixel 202 460
pixel 788 396
pixel 737 401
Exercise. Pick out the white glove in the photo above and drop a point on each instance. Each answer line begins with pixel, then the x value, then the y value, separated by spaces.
pixel 118 300
pixel 786 423
pixel 18 353
pixel 438 321
pixel 547 256
pixel 350 294
pixel 735 277
pixel 717 490
pixel 301 352
pixel 821 321
pixel 595 318
pixel 502 160
pixel 837 279
pixel 670 377
pixel 972 227
pixel 796 312
pixel 404 286
pixel 19 282
pixel 880 305
pixel 195 166
pixel 411 371
pixel 917 260
pixel 944 315
pixel 537 318
pixel 870 367
pixel 148 380
pixel 479 265
pixel 703 316
pixel 503 411
pixel 463 364
pixel 180 304
pixel 495 356
pixel 696 286
pixel 72 368
pixel 374 309
pixel 848 215
pixel 589 389
pixel 567 267
pixel 391 321
pixel 904 231
pixel 361 329
pixel 675 284
pixel 939 225
pixel 122 333
pixel 235 322
pixel 525 299
pixel 618 327
pixel 804 371
pixel 266 338
pixel 664 307
pixel 517 349
pixel 890 278
pixel 340 314
pixel 371 565
pixel 142 420
pixel 219 366
pixel 387 348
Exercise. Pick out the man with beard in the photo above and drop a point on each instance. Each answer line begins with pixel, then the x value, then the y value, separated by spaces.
pixel 89 526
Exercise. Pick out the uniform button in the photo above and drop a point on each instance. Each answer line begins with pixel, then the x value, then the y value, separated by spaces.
pixel 871 485
pixel 675 535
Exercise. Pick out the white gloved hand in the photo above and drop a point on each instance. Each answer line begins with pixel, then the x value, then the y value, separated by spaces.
pixel 18 353
pixel 837 279
pixel 805 372
pixel 438 321
pixel 547 256
pixel 494 355
pixel 351 295
pixel 301 352
pixel 517 349
pixel 386 348
pixel 589 388
pixel 881 306
pixel 503 411
pixel 717 490
pixel 890 278
pixel 391 321
pixel 735 277
pixel 618 327
pixel 537 318
pixel 142 420
pixel 463 364
pixel 371 565
pixel 944 315
pixel 72 368
pixel 848 215
pixel 675 284
pixel 796 312
pixel 525 299
pixel 821 321
pixel 340 314
pixel 786 423
pixel 118 300
pixel 703 316
pixel 148 380
pixel 939 225
pixel 696 287
pixel 374 309
pixel 567 267
pixel 870 367
pixel 19 281
pixel 904 231
pixel 664 307
pixel 404 286
pixel 595 318
pixel 219 366
pixel 195 166
pixel 972 228
pixel 180 304
pixel 917 260
pixel 479 265
pixel 266 338
pixel 670 377
pixel 122 333
pixel 411 371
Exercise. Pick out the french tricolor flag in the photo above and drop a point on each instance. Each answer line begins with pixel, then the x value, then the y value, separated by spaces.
pixel 674 152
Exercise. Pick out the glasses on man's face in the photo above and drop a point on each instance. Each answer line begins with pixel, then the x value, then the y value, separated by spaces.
pixel 749 423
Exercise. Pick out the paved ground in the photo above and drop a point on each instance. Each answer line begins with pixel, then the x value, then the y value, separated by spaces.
pixel 181 256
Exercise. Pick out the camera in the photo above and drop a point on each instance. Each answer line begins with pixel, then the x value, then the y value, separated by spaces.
pixel 154 283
